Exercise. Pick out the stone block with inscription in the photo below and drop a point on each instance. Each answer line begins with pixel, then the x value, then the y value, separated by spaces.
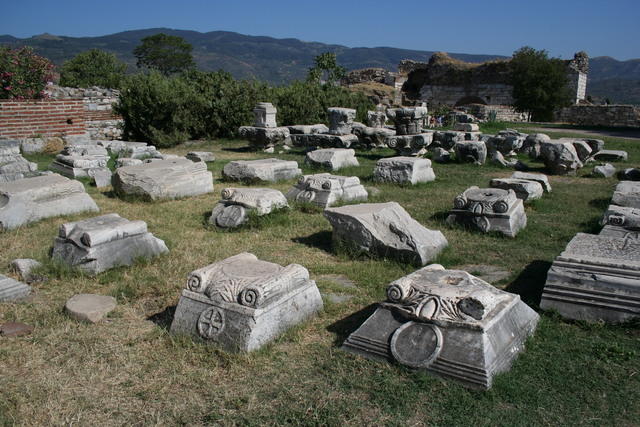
pixel 448 323
pixel 261 170
pixel 236 204
pixel 325 189
pixel 242 303
pixel 32 199
pixel 399 170
pixel 386 230
pixel 103 242
pixel 489 209
pixel 596 277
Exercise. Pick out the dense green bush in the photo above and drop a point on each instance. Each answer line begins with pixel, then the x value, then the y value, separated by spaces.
pixel 93 67
pixel 23 74
pixel 168 110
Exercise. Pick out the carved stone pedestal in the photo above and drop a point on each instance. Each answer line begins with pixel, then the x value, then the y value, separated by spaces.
pixel 324 189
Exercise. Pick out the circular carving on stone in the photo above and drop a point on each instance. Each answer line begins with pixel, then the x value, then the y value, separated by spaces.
pixel 416 344
pixel 459 202
pixel 326 185
pixel 477 208
pixel 210 323
pixel 193 284
pixel 483 224
pixel 500 206
pixel 231 216
pixel 227 193
pixel 306 196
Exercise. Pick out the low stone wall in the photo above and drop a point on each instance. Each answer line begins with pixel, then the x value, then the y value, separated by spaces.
pixel 494 94
pixel 45 117
pixel 503 113
pixel 600 115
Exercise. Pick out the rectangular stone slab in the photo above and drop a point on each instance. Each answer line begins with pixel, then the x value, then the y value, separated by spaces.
pixel 32 199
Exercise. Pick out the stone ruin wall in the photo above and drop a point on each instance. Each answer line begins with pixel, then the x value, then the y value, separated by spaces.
pixel 600 115
pixel 503 113
pixel 101 121
pixel 491 94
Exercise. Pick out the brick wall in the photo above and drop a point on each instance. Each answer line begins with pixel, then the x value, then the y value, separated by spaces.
pixel 46 117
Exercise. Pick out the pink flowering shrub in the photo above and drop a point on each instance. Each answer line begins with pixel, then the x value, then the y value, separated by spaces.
pixel 23 74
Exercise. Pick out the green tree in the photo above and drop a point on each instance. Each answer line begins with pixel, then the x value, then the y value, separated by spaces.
pixel 167 54
pixel 23 74
pixel 93 67
pixel 326 68
pixel 540 83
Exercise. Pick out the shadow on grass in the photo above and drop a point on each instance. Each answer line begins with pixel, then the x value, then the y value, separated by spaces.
pixel 530 282
pixel 371 155
pixel 344 327
pixel 593 226
pixel 164 318
pixel 602 203
pixel 245 149
pixel 320 240
pixel 440 216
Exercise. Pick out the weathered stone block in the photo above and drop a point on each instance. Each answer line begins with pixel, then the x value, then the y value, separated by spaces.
pixel 385 229
pixel 341 120
pixel 324 189
pixel 399 170
pixel 596 278
pixel 583 149
pixel 622 216
pixel 265 115
pixel 104 242
pixel 607 170
pixel 410 145
pixel 408 120
pixel 308 129
pixel 440 155
pixel 263 137
pixel 332 158
pixel 560 157
pixel 201 156
pixel 101 177
pixel 242 303
pixel 627 193
pixel 376 119
pixel 324 140
pixel 466 127
pixel 261 170
pixel 489 209
pixel 611 156
pixel 531 144
pixel 12 290
pixel 449 323
pixel 537 177
pixel 32 199
pixel 370 137
pixel 233 210
pixel 89 307
pixel 125 161
pixel 163 179
pixel 630 174
pixel 24 267
pixel 524 189
pixel 471 152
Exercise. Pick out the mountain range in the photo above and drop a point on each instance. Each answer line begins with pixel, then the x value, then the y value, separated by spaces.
pixel 279 61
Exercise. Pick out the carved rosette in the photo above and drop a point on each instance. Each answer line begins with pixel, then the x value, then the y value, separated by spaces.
pixel 211 323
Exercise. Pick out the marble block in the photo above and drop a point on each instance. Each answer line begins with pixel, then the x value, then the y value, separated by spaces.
pixel 610 156
pixel 261 170
pixel 410 145
pixel 373 137
pixel 163 179
pixel 308 129
pixel 324 140
pixel 537 177
pixel 324 189
pixel 104 242
pixel 525 189
pixel 560 157
pixel 32 199
pixel 341 120
pixel 627 193
pixel 376 119
pixel 621 216
pixel 448 323
pixel 233 210
pixel 242 303
pixel 400 170
pixel 489 209
pixel 385 229
pixel 332 158
pixel 265 137
pixel 201 156
pixel 408 120
pixel 471 152
pixel 596 278
pixel 12 290
pixel 265 115
pixel 466 127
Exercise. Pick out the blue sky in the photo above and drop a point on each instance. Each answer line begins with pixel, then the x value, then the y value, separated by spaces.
pixel 562 27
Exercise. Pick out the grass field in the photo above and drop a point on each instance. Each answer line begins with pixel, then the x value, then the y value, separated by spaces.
pixel 128 370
